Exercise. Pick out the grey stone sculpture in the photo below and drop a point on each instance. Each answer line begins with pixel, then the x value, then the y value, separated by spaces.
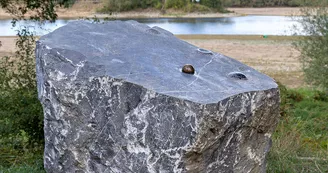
pixel 116 100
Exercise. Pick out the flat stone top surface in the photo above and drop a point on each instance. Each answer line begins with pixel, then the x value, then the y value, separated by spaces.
pixel 152 58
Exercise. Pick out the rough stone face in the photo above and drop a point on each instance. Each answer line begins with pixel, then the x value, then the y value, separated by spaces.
pixel 116 100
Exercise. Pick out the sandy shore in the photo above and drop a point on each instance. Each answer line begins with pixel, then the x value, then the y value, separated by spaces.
pixel 89 9
pixel 274 56
pixel 7 45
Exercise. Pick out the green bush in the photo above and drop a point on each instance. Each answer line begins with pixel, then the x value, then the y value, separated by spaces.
pixel 176 4
pixel 321 96
pixel 314 47
pixel 21 118
pixel 21 110
pixel 191 7
pixel 126 5
pixel 288 98
pixel 186 5
pixel 215 4
pixel 21 115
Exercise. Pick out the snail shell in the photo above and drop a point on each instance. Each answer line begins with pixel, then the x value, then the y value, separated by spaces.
pixel 189 69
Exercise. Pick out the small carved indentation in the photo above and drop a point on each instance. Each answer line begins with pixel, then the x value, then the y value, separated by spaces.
pixel 237 75
pixel 204 51
pixel 153 31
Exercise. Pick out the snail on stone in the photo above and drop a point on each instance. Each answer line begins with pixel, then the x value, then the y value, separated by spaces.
pixel 188 69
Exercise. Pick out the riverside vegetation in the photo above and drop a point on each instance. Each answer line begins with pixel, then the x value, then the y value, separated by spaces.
pixel 201 6
pixel 300 143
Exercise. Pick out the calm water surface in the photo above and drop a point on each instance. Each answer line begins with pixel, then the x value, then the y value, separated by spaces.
pixel 246 25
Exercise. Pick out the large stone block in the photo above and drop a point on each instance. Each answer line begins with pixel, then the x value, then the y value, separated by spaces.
pixel 116 100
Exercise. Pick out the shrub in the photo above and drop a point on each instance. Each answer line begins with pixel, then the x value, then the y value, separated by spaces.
pixel 288 98
pixel 314 47
pixel 215 4
pixel 321 96
pixel 21 120
pixel 126 5
pixel 196 8
pixel 21 110
pixel 176 4
pixel 186 5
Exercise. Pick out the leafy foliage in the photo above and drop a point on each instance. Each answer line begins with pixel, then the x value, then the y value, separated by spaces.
pixel 18 72
pixel 321 96
pixel 21 118
pixel 177 4
pixel 216 4
pixel 39 10
pixel 186 5
pixel 191 5
pixel 288 98
pixel 314 47
pixel 125 5
pixel 21 110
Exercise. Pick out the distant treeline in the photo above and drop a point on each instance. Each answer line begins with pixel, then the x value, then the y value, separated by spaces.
pixel 203 5
pixel 187 5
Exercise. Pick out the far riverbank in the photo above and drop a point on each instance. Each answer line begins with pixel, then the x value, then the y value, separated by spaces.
pixel 89 10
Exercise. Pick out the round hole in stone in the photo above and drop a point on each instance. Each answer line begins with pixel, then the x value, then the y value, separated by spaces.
pixel 153 31
pixel 238 75
pixel 204 51
pixel 189 69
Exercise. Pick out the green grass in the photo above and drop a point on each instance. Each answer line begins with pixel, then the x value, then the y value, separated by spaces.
pixel 300 143
pixel 16 159
pixel 23 169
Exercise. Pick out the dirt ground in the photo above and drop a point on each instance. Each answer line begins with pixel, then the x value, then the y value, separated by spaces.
pixel 89 9
pixel 274 56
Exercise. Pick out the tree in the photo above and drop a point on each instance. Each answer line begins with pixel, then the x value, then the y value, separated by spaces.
pixel 314 46
pixel 39 10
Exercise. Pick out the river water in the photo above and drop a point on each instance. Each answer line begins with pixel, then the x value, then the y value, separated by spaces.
pixel 245 25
